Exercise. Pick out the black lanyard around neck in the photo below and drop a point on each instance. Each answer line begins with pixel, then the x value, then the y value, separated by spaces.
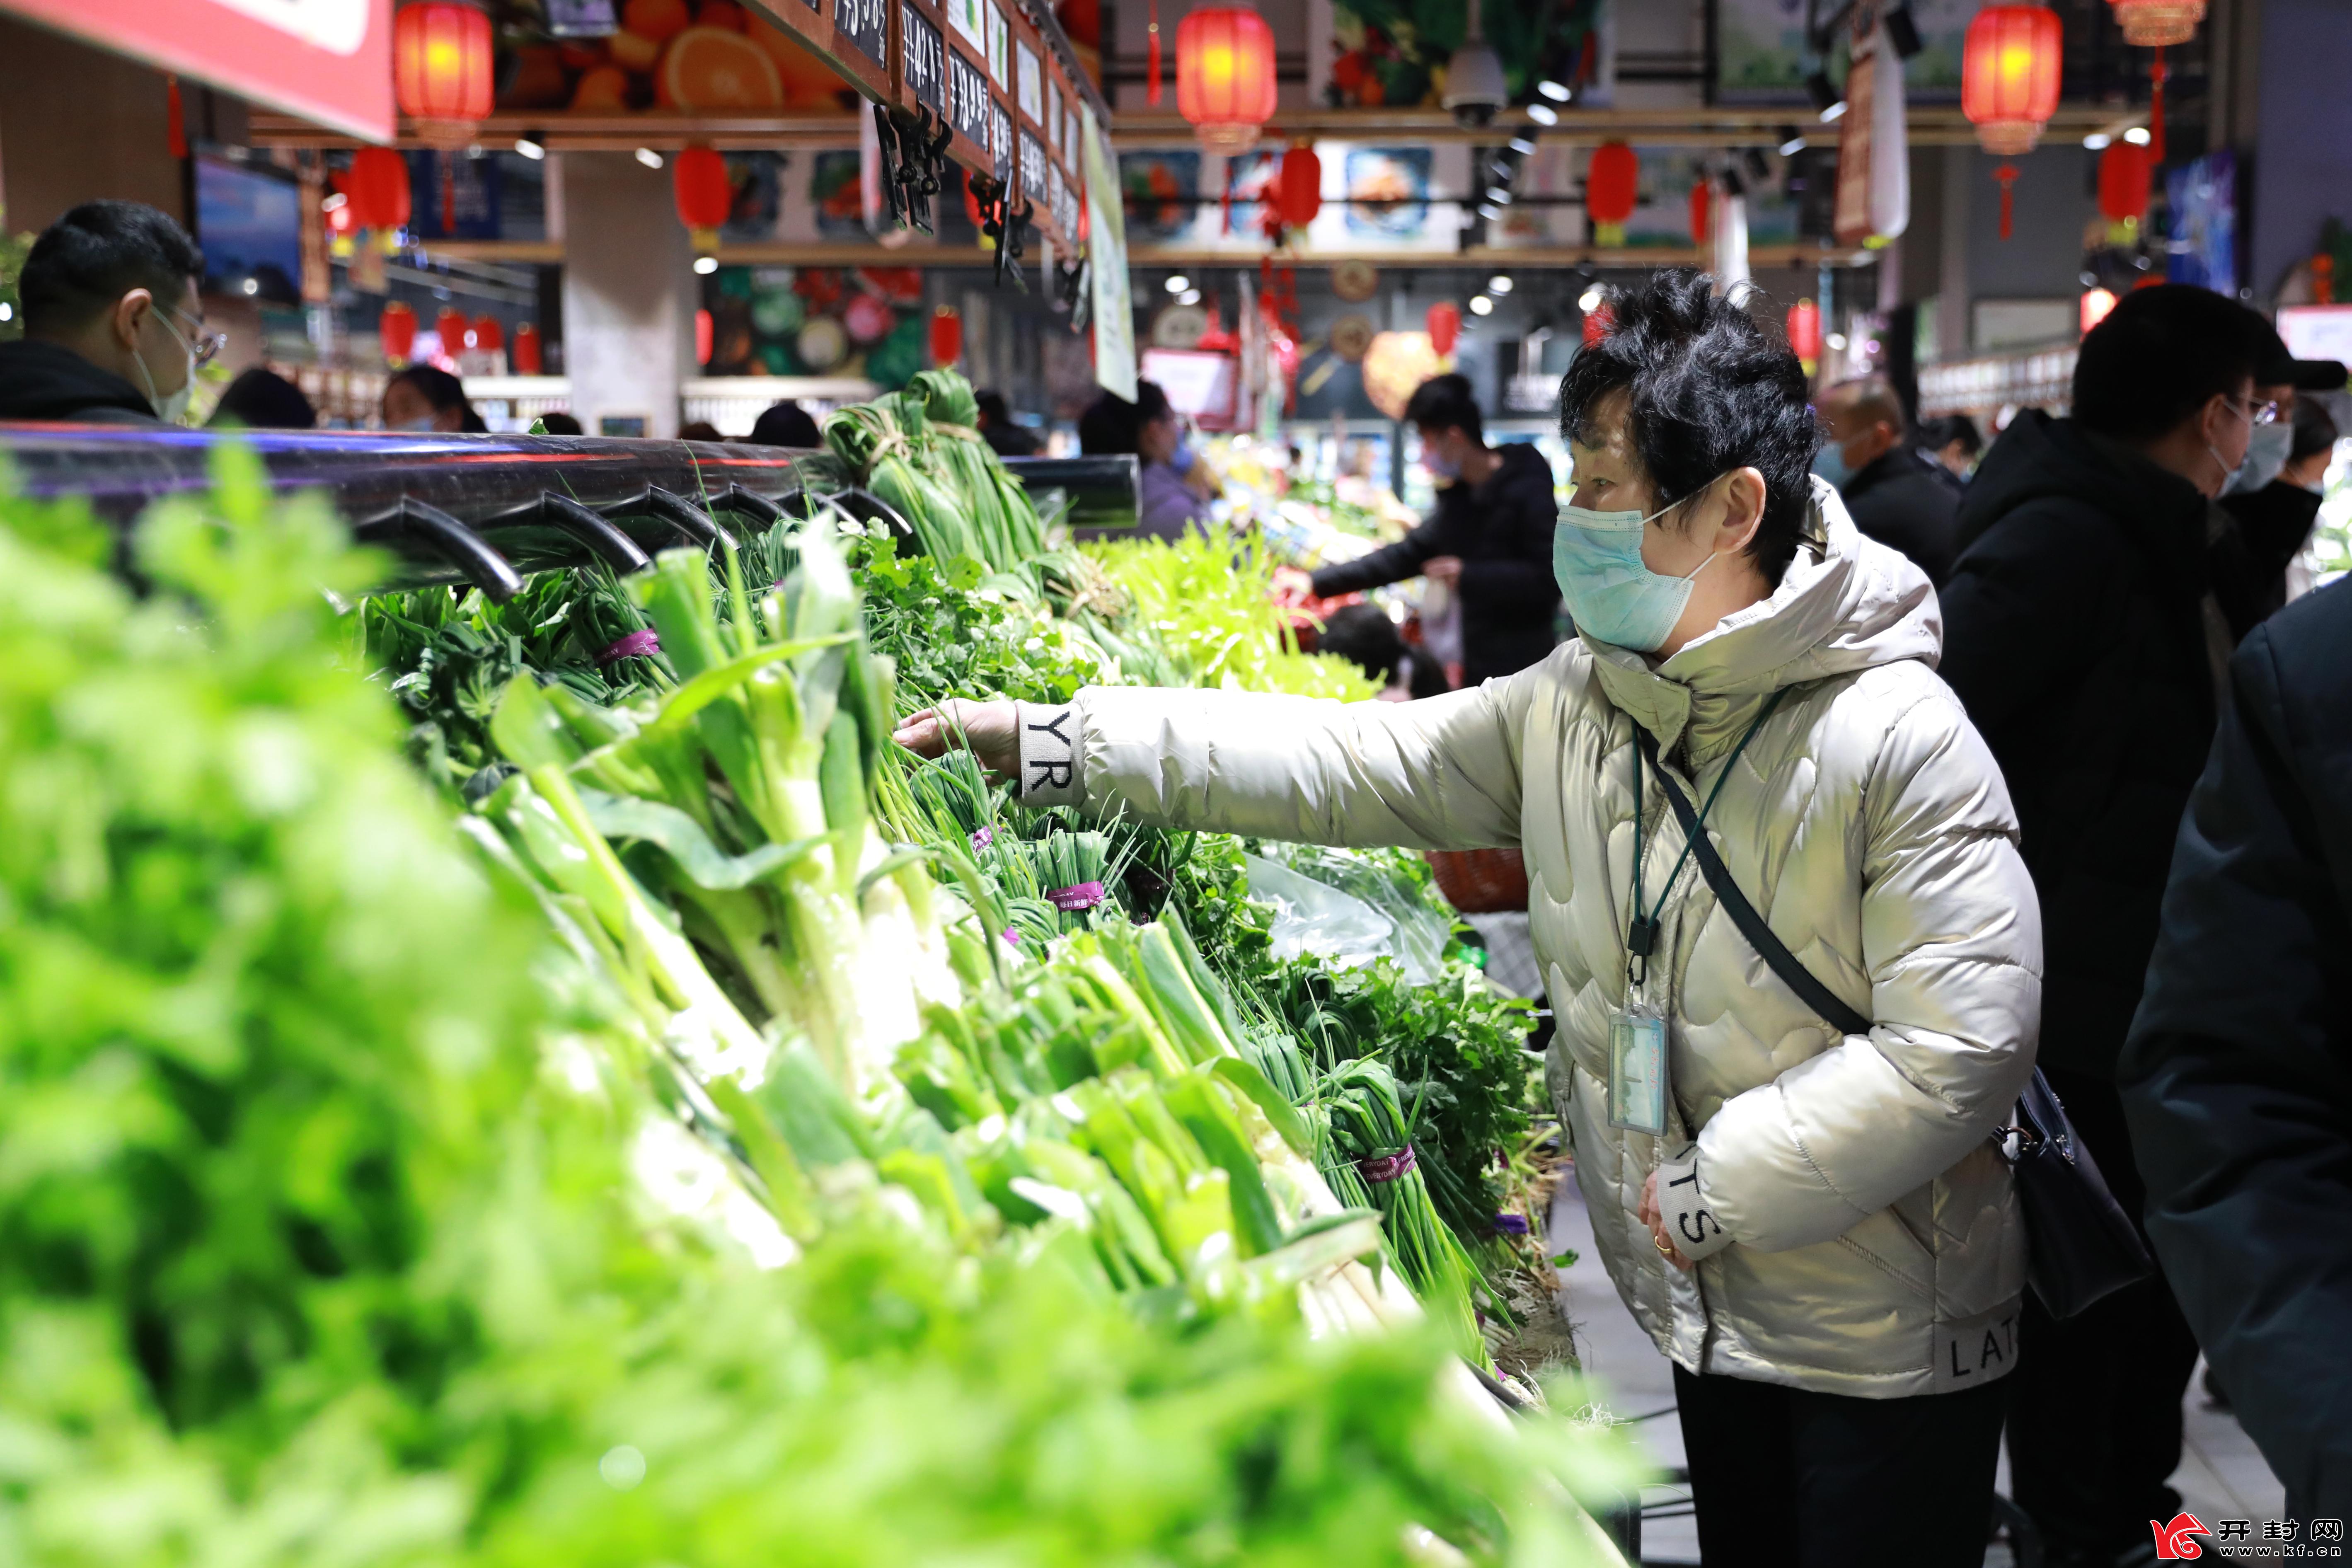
pixel 1641 935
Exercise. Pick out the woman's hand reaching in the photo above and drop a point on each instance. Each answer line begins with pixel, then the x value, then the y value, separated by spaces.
pixel 988 729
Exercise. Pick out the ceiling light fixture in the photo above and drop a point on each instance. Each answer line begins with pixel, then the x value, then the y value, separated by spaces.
pixel 1499 196
pixel 649 158
pixel 1481 306
pixel 1179 283
pixel 2097 140
pixel 2136 135
pixel 1553 90
pixel 705 266
pixel 1522 146
pixel 1500 283
pixel 1792 146
pixel 529 149
pixel 1189 297
pixel 1589 300
pixel 1543 114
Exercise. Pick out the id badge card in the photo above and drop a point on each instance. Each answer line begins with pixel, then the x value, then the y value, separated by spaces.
pixel 1637 1070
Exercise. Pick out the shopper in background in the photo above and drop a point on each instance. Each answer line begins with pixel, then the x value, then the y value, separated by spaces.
pixel 1004 437
pixel 786 423
pixel 2238 1075
pixel 1176 485
pixel 1367 637
pixel 1893 495
pixel 113 330
pixel 1489 541
pixel 559 424
pixel 1953 441
pixel 426 397
pixel 261 399
pixel 2273 522
pixel 700 430
pixel 1815 1227
pixel 2082 631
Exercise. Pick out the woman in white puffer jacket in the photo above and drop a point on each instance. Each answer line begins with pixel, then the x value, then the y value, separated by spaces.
pixel 1836 1266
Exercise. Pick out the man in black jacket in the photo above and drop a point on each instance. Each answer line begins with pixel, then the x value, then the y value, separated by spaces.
pixel 2238 1077
pixel 2082 630
pixel 1490 537
pixel 113 330
pixel 1893 495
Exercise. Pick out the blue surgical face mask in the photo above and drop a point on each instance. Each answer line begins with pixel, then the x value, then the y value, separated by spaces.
pixel 2267 450
pixel 1610 594
pixel 1831 464
pixel 1439 464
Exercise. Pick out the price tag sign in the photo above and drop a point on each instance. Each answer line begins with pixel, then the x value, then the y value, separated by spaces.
pixel 861 44
pixel 922 76
pixel 969 106
pixel 999 141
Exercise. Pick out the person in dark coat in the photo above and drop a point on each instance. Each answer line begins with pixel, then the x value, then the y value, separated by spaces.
pixel 1004 437
pixel 786 423
pixel 2083 633
pixel 1896 496
pixel 1490 537
pixel 261 399
pixel 2274 522
pixel 2237 1074
pixel 113 330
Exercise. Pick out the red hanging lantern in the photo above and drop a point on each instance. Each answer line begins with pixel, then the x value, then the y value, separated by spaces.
pixel 176 120
pixel 1224 77
pixel 487 336
pixel 2122 187
pixel 2008 76
pixel 1613 186
pixel 1301 186
pixel 1597 324
pixel 441 68
pixel 705 194
pixel 378 188
pixel 449 325
pixel 397 327
pixel 947 336
pixel 1702 215
pixel 1805 332
pixel 527 356
pixel 1445 327
pixel 2152 24
pixel 705 335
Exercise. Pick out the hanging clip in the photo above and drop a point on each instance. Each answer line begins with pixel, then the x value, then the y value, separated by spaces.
pixel 885 133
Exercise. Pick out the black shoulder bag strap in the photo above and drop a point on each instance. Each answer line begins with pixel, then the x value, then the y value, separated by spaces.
pixel 2080 1244
pixel 1775 953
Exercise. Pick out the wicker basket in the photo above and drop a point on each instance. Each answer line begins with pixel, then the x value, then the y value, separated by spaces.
pixel 1481 881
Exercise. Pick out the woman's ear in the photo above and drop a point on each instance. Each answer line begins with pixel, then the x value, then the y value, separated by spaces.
pixel 1743 509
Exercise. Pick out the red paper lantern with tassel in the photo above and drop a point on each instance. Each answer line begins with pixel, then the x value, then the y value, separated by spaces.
pixel 1444 323
pixel 2008 76
pixel 2124 170
pixel 1301 186
pixel 705 196
pixel 397 327
pixel 1224 77
pixel 2152 24
pixel 176 120
pixel 378 188
pixel 449 325
pixel 947 336
pixel 2007 177
pixel 442 69
pixel 1613 186
pixel 1805 332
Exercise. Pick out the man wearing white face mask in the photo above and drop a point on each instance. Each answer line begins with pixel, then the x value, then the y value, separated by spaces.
pixel 1791 1179
pixel 113 329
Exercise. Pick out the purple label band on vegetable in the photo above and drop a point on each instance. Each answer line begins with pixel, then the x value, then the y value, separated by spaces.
pixel 637 645
pixel 1009 934
pixel 1511 1224
pixel 1084 896
pixel 982 838
pixel 1387 1167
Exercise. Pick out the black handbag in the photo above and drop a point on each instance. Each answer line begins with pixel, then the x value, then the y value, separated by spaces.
pixel 2080 1244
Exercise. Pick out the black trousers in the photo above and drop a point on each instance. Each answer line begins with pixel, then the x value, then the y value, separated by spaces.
pixel 1786 1478
pixel 2095 1420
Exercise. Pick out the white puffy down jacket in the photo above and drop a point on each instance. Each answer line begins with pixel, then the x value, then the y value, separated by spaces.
pixel 1855 1228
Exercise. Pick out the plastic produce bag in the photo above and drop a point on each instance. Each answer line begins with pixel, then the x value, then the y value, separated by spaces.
pixel 1420 930
pixel 1347 928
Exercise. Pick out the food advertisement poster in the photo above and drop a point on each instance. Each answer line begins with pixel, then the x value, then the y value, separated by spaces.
pixel 1387 192
pixel 1162 192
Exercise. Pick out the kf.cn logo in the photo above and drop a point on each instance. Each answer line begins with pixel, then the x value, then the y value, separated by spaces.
pixel 2175 1542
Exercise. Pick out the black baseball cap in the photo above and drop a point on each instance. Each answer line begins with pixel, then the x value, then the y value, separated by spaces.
pixel 2279 367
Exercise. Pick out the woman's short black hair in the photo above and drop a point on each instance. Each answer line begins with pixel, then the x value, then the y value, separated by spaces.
pixel 1112 425
pixel 2315 430
pixel 441 390
pixel 785 423
pixel 261 399
pixel 1708 391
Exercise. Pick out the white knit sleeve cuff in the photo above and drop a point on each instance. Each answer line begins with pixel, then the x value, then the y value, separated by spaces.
pixel 1050 754
pixel 1690 1218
